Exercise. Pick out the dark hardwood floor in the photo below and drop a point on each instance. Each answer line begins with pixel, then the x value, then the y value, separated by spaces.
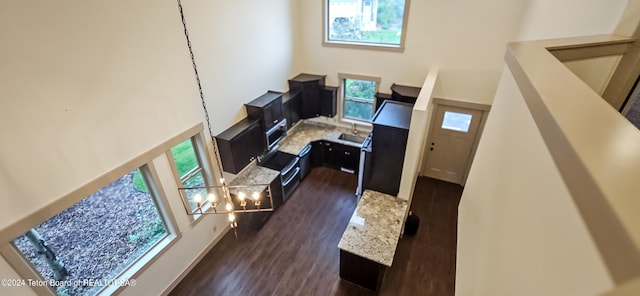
pixel 296 252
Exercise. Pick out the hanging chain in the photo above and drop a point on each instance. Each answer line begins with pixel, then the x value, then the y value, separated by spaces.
pixel 204 104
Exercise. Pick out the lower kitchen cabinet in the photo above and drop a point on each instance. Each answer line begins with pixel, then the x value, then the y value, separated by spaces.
pixel 317 153
pixel 335 155
pixel 257 219
pixel 347 158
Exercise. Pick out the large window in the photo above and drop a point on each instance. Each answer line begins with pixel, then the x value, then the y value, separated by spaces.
pixel 358 97
pixel 93 245
pixel 380 23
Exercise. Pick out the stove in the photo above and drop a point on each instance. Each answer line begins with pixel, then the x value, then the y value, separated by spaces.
pixel 289 167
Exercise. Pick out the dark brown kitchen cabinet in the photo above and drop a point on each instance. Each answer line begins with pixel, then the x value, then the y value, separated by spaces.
pixel 404 93
pixel 328 101
pixel 309 85
pixel 399 93
pixel 317 153
pixel 347 158
pixel 388 144
pixel 292 107
pixel 335 155
pixel 381 97
pixel 256 220
pixel 267 108
pixel 240 144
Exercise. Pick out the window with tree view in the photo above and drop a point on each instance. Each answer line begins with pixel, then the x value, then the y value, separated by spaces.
pixel 99 238
pixel 187 160
pixel 366 22
pixel 358 99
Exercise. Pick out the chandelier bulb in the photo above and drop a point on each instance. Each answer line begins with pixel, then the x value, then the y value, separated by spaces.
pixel 241 196
pixel 211 198
pixel 229 207
pixel 256 195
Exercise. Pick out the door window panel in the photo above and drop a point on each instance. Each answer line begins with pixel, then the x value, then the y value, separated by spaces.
pixel 456 121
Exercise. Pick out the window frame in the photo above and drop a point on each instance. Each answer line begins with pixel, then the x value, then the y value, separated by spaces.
pixel 204 165
pixel 363 45
pixel 26 270
pixel 342 78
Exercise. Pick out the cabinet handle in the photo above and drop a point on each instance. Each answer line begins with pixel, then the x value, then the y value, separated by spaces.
pixel 275 121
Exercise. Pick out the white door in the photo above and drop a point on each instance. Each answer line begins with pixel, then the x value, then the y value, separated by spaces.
pixel 450 143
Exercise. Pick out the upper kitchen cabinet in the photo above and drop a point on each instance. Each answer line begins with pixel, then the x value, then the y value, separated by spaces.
pixel 404 93
pixel 399 93
pixel 388 144
pixel 310 86
pixel 240 144
pixel 292 107
pixel 328 101
pixel 267 108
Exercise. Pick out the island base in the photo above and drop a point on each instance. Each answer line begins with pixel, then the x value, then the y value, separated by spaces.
pixel 361 271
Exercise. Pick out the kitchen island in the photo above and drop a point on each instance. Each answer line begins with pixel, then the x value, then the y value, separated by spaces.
pixel 369 242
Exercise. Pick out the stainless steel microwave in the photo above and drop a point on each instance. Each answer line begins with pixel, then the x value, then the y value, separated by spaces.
pixel 276 133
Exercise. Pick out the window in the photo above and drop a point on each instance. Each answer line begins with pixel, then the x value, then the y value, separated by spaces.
pixel 358 97
pixel 378 23
pixel 101 241
pixel 187 159
pixel 456 121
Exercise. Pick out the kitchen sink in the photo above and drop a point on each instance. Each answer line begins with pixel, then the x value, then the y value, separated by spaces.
pixel 351 138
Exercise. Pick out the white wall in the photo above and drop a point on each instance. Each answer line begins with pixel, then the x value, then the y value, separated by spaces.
pixel 87 86
pixel 420 120
pixel 519 232
pixel 464 39
pixel 547 19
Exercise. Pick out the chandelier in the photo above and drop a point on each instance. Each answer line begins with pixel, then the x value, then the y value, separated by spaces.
pixel 222 199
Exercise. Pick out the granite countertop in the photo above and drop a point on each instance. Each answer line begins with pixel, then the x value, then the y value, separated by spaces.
pixel 253 174
pixel 374 228
pixel 306 132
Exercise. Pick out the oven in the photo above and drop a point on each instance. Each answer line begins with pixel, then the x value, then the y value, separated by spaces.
pixel 276 133
pixel 290 178
pixel 289 167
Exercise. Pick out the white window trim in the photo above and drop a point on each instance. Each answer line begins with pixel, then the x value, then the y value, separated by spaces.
pixel 341 99
pixel 361 45
pixel 9 233
pixel 24 268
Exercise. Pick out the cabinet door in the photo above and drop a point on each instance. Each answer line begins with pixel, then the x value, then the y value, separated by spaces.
pixel 239 144
pixel 311 100
pixel 348 158
pixel 317 153
pixel 295 108
pixel 328 101
pixel 247 145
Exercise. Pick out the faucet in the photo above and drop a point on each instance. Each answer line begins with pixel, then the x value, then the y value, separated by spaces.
pixel 353 128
